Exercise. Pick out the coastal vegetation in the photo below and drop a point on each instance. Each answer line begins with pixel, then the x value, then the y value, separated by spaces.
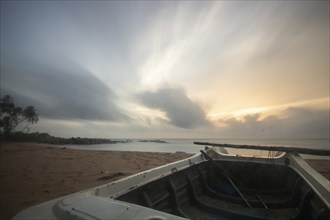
pixel 45 138
pixel 13 117
pixel 37 137
pixel 15 122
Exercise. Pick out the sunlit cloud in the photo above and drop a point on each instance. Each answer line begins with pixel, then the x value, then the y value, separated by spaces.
pixel 149 116
pixel 294 123
pixel 171 46
pixel 266 111
pixel 113 65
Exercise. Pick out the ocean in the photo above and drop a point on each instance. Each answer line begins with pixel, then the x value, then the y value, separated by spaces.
pixel 186 145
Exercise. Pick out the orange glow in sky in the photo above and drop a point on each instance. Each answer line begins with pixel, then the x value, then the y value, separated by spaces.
pixel 167 69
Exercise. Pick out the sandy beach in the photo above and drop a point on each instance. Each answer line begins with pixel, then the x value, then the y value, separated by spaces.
pixel 34 173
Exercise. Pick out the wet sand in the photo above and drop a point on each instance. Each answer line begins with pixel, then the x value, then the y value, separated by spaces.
pixel 34 173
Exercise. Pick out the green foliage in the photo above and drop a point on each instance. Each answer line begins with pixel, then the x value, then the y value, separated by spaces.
pixel 11 116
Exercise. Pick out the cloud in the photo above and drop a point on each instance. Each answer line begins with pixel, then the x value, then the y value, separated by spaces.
pixel 295 123
pixel 60 93
pixel 180 110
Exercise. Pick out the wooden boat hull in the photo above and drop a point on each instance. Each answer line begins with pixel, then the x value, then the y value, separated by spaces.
pixel 283 187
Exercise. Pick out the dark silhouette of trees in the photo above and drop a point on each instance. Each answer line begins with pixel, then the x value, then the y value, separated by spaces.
pixel 11 116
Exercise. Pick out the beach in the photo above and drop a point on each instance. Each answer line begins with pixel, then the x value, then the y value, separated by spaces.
pixel 34 173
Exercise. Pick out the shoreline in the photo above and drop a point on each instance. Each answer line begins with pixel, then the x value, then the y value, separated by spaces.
pixel 33 173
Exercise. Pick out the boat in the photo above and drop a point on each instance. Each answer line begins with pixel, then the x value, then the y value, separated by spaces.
pixel 212 184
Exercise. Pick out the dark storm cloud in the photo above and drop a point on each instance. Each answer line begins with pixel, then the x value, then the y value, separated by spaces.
pixel 181 111
pixel 68 93
pixel 296 123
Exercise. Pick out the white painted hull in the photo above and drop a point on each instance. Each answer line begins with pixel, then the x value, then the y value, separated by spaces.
pixel 99 202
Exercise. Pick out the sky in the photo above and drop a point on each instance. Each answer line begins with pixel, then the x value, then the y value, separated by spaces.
pixel 169 69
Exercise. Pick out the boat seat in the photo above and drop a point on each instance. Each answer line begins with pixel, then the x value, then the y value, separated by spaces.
pixel 189 194
pixel 291 200
pixel 235 211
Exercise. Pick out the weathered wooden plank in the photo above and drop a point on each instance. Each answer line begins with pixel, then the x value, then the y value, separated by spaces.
pixel 319 152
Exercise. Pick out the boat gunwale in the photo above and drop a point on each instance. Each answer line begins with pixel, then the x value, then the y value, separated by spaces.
pixel 113 190
pixel 319 184
pixel 168 169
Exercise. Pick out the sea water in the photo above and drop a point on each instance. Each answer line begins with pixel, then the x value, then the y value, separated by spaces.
pixel 188 146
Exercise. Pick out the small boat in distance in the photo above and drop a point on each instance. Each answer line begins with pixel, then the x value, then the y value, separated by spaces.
pixel 209 185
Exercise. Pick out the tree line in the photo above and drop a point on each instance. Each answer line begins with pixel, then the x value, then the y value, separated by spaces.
pixel 14 120
pixel 12 116
pixel 37 137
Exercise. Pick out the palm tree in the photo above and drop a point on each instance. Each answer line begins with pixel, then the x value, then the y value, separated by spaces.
pixel 11 115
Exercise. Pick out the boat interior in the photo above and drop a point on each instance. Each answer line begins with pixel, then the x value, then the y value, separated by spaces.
pixel 232 190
